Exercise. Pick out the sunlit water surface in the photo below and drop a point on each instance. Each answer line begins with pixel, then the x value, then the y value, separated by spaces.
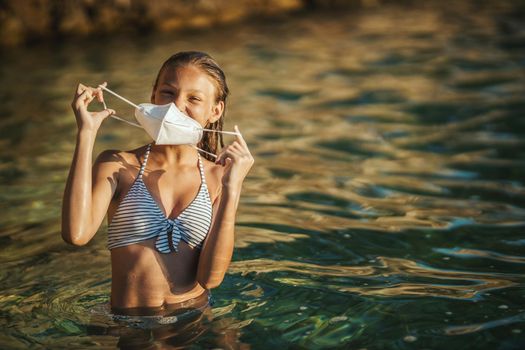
pixel 386 208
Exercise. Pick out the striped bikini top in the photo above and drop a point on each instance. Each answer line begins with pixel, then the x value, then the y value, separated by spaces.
pixel 139 217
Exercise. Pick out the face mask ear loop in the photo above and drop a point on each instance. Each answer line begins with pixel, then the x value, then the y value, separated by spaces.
pixel 222 132
pixel 126 121
pixel 117 95
pixel 118 118
pixel 200 149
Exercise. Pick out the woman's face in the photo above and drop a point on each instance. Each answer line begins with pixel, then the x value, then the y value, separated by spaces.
pixel 192 91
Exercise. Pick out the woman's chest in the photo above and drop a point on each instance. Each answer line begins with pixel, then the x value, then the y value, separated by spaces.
pixel 171 191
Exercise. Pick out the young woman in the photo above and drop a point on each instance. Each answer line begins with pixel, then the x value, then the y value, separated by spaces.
pixel 171 211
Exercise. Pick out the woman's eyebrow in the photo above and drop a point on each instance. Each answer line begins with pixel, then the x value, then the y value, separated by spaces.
pixel 169 85
pixel 176 87
pixel 196 91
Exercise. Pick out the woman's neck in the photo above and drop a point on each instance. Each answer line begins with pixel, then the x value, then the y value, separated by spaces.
pixel 174 154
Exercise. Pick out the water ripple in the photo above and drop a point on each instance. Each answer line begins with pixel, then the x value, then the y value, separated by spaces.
pixel 450 283
pixel 386 207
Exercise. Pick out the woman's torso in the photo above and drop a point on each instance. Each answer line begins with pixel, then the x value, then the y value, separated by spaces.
pixel 142 275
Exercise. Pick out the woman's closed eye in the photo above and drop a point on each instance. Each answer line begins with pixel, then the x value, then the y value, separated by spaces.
pixel 195 99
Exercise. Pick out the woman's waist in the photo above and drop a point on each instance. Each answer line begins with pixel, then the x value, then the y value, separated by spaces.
pixel 143 277
pixel 152 286
pixel 145 300
pixel 168 308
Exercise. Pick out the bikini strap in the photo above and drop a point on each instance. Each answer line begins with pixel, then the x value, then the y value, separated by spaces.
pixel 201 167
pixel 145 161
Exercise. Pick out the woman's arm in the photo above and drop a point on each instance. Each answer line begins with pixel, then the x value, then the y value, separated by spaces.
pixel 217 250
pixel 80 218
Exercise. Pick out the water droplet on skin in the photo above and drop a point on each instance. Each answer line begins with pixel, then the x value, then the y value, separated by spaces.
pixel 504 307
pixel 410 338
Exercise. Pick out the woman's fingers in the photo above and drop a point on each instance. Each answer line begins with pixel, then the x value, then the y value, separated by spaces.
pixel 227 152
pixel 85 94
pixel 106 113
pixel 80 88
pixel 236 160
pixel 239 150
pixel 88 96
pixel 242 150
pixel 236 150
pixel 240 143
pixel 221 157
pixel 100 93
pixel 239 137
pixel 94 92
pixel 81 100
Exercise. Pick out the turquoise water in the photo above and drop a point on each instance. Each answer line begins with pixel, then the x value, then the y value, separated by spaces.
pixel 386 208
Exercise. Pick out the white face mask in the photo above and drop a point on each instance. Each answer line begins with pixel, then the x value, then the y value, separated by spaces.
pixel 166 124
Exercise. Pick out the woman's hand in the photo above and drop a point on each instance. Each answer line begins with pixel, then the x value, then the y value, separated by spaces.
pixel 87 120
pixel 238 161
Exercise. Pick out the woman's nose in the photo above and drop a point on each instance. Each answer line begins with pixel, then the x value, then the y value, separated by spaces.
pixel 179 102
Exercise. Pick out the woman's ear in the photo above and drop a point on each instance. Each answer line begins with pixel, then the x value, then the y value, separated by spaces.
pixel 216 112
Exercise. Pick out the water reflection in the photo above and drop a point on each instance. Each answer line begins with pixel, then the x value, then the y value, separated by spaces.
pixel 387 196
pixel 389 278
pixel 458 330
pixel 168 332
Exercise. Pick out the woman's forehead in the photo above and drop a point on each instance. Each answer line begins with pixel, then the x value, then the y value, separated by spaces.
pixel 188 78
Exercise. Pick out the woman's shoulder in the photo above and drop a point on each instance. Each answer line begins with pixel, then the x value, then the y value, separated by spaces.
pixel 215 170
pixel 113 158
pixel 213 173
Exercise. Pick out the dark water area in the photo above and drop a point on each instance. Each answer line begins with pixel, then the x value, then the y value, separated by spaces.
pixel 385 210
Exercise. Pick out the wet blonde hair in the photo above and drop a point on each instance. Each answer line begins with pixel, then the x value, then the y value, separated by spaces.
pixel 210 140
